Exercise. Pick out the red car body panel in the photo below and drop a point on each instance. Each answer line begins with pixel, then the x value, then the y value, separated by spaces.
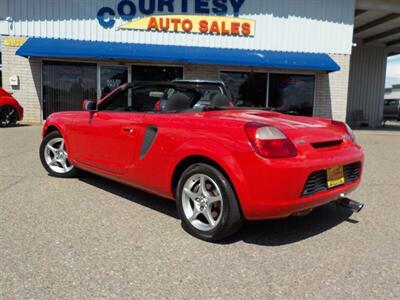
pixel 7 99
pixel 110 144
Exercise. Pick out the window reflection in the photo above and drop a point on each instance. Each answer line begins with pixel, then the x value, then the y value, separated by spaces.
pixel 111 78
pixel 248 89
pixel 66 85
pixel 155 73
pixel 292 93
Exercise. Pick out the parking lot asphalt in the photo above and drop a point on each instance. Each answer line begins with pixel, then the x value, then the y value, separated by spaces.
pixel 93 238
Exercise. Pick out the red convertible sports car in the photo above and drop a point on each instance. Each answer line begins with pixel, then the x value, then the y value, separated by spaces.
pixel 221 164
pixel 10 110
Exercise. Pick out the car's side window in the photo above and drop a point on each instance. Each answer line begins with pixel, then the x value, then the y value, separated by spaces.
pixel 147 98
pixel 120 101
pixel 140 99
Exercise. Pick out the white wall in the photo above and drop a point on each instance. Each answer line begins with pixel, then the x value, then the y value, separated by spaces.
pixel 283 25
pixel 366 85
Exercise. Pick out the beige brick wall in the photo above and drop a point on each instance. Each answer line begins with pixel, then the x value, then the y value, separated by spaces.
pixel 28 92
pixel 332 89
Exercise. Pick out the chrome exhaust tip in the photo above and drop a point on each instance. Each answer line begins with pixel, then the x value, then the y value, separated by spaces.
pixel 350 204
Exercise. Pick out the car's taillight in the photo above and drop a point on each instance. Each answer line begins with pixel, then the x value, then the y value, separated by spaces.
pixel 347 128
pixel 269 141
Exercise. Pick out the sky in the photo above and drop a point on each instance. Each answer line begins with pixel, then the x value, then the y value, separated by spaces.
pixel 393 71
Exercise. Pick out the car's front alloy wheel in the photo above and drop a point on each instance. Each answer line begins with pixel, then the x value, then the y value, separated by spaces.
pixel 207 204
pixel 8 116
pixel 54 156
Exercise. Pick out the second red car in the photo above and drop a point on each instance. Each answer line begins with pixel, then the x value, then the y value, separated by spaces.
pixel 10 110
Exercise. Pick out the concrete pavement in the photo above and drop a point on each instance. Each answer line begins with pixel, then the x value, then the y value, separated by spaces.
pixel 93 238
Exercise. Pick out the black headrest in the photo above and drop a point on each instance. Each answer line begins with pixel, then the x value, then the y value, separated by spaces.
pixel 178 102
pixel 220 100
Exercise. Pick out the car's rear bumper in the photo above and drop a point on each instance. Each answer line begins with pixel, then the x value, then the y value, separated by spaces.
pixel 280 209
pixel 274 189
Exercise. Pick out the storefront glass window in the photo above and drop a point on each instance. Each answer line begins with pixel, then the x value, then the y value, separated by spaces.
pixel 247 89
pixel 155 73
pixel 292 93
pixel 112 77
pixel 66 85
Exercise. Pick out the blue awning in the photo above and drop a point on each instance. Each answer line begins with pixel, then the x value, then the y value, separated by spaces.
pixel 73 49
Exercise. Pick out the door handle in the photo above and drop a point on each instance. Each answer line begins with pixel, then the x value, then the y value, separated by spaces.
pixel 127 130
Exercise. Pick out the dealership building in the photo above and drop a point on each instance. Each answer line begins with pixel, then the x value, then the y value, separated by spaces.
pixel 316 58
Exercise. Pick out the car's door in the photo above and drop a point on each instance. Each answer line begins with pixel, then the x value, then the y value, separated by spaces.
pixel 106 139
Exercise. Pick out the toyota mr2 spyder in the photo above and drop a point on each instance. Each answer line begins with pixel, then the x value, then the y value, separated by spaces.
pixel 221 164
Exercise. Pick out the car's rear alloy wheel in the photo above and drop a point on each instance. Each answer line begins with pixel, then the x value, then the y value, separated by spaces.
pixel 202 202
pixel 54 156
pixel 8 116
pixel 207 203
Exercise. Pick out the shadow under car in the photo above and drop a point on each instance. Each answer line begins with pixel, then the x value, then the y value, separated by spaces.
pixel 268 233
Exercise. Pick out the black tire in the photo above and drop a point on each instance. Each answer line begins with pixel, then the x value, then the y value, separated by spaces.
pixel 231 217
pixel 8 116
pixel 48 138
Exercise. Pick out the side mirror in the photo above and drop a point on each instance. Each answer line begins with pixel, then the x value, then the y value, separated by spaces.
pixel 89 105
